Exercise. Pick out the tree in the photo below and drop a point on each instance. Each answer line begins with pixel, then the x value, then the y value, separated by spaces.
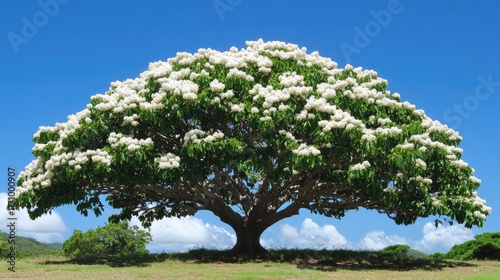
pixel 252 135
pixel 111 240
pixel 484 246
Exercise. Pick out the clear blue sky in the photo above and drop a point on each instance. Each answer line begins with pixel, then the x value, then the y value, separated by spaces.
pixel 441 56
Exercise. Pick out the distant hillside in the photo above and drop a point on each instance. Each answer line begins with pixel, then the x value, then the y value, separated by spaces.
pixel 26 246
pixel 417 254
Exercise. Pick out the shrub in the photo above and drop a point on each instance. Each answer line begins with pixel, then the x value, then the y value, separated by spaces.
pixel 485 246
pixel 400 249
pixel 111 240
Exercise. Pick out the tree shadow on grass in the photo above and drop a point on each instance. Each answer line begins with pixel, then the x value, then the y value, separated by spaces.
pixel 323 260
pixel 125 261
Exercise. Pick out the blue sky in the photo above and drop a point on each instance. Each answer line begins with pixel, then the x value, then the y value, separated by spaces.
pixel 442 57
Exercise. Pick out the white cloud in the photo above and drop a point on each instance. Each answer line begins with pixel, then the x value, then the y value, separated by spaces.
pixel 433 240
pixel 376 240
pixel 443 237
pixel 47 228
pixel 181 234
pixel 311 235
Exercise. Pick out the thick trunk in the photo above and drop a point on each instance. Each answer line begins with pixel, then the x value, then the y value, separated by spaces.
pixel 249 229
pixel 248 242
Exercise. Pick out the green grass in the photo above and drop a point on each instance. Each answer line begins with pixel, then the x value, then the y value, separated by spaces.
pixel 279 264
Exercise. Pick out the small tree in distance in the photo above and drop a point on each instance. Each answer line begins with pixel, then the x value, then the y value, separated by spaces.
pixel 252 135
pixel 111 240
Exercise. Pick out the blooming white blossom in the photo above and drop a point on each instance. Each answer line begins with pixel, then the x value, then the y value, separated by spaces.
pixel 131 120
pixel 479 215
pixel 384 121
pixel 216 100
pixel 291 79
pixel 132 144
pixel 217 86
pixel 422 179
pixel 474 180
pixel 237 107
pixel 420 163
pixel 460 163
pixel 361 166
pixel 227 94
pixel 406 145
pixel 304 150
pixel 168 161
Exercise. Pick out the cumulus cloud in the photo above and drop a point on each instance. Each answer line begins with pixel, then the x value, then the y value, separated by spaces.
pixel 439 239
pixel 182 234
pixel 47 228
pixel 376 240
pixel 311 235
pixel 443 237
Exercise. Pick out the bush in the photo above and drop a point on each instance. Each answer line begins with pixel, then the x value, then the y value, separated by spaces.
pixel 485 246
pixel 3 248
pixel 111 240
pixel 399 249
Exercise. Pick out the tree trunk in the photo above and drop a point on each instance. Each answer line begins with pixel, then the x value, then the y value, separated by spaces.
pixel 248 242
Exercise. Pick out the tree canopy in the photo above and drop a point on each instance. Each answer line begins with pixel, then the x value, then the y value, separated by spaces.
pixel 252 135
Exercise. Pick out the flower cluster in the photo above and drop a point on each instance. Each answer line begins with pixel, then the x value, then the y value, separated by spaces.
pixel 216 86
pixel 304 150
pixel 132 144
pixel 361 166
pixel 194 136
pixel 421 179
pixel 420 163
pixel 39 173
pixel 168 161
pixel 132 120
pixel 235 72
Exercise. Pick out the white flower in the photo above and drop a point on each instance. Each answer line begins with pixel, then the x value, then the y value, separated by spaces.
pixel 216 100
pixel 189 96
pixel 304 150
pixel 237 108
pixel 361 166
pixel 287 134
pixel 384 121
pixel 168 161
pixel 479 215
pixel 420 163
pixel 227 94
pixel 216 86
pixel 474 180
pixel 406 146
pixel 460 163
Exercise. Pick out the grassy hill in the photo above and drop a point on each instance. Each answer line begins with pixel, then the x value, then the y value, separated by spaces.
pixel 26 246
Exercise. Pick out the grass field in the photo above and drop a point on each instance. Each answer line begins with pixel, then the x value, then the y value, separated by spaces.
pixel 203 267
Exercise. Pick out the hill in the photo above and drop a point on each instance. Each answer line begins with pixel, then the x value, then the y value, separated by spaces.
pixel 27 246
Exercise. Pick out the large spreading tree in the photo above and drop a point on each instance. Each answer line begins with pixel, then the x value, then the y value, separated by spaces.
pixel 252 135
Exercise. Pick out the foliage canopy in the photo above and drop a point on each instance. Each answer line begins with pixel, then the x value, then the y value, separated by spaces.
pixel 252 135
